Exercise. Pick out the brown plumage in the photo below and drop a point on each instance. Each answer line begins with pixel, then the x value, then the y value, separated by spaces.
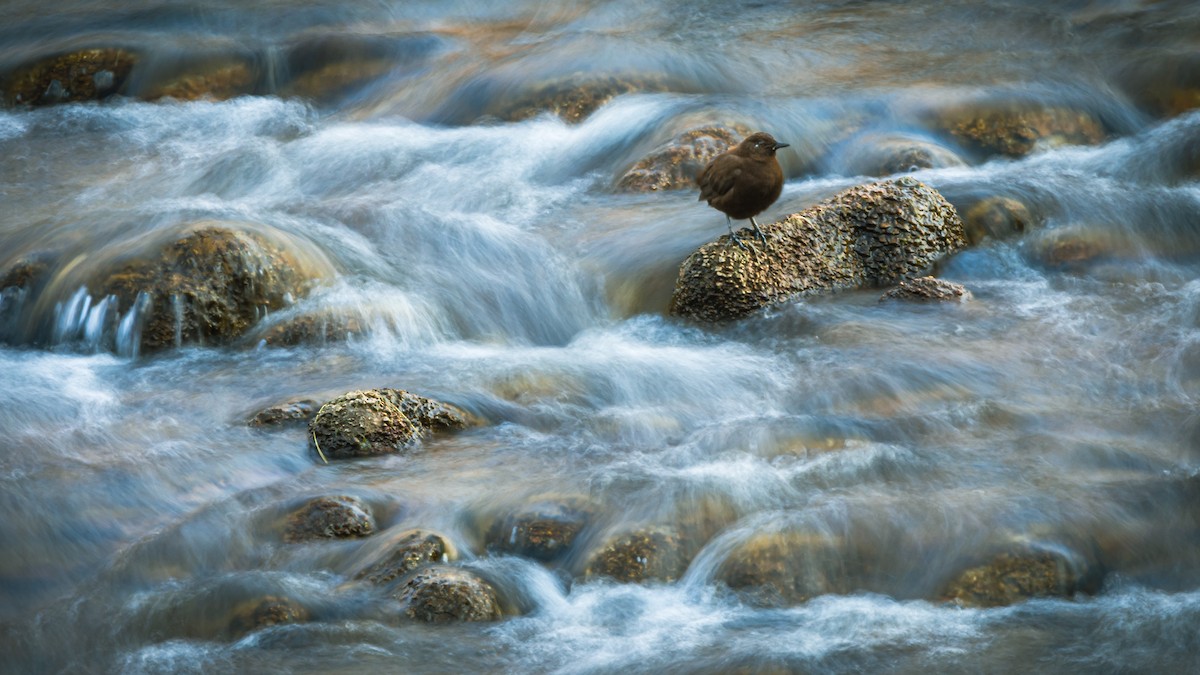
pixel 744 181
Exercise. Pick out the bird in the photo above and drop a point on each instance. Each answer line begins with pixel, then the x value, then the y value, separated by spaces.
pixel 743 181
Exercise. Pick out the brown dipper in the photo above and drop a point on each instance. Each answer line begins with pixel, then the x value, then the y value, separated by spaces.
pixel 744 181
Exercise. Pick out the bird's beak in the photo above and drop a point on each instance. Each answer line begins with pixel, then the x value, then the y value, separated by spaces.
pixel 780 145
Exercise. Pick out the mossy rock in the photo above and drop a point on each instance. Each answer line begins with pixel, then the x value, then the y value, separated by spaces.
pixel 869 235
pixel 927 289
pixel 83 75
pixel 645 554
pixel 444 594
pixel 676 164
pixel 290 413
pixel 997 217
pixel 209 286
pixel 1017 129
pixel 337 517
pixel 878 154
pixel 787 567
pixel 544 530
pixel 405 552
pixel 1021 573
pixel 361 424
pixel 573 98
pixel 264 612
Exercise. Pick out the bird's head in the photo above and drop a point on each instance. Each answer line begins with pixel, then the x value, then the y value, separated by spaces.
pixel 759 144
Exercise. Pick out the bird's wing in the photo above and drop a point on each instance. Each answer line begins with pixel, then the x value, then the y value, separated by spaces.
pixel 717 179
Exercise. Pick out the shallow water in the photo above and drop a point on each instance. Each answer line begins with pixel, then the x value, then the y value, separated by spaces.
pixel 494 267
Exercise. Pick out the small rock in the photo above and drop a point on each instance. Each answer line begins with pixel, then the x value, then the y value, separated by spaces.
pixel 786 568
pixel 361 424
pixel 404 552
pixel 1015 129
pixel 997 217
pixel 291 413
pixel 1020 574
pixel 444 594
pixel 543 531
pixel 878 154
pixel 927 289
pixel 339 517
pixel 264 612
pixel 84 75
pixel 640 555
pixel 573 98
pixel 676 164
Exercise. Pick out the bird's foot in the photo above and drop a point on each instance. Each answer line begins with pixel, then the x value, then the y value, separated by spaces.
pixel 741 244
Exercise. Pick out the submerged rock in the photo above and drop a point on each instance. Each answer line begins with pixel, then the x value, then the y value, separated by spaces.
pixel 215 79
pixel 444 594
pixel 675 165
pixel 544 530
pixel 361 424
pixel 429 414
pixel 271 610
pixel 786 568
pixel 868 235
pixel 338 517
pixel 1019 574
pixel 927 289
pixel 877 154
pixel 1165 84
pixel 573 98
pixel 208 286
pixel 404 552
pixel 83 75
pixel 290 413
pixel 1016 129
pixel 997 217
pixel 647 554
pixel 316 328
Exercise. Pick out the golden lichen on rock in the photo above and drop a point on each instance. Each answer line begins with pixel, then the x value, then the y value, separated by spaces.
pixel 643 554
pixel 1016 130
pixel 1017 575
pixel 83 75
pixel 869 235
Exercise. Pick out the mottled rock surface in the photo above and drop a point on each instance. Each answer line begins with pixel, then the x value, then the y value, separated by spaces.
pixel 647 554
pixel 84 75
pixel 337 517
pixel 927 289
pixel 544 530
pixel 404 552
pixel 997 217
pixel 786 568
pixel 271 610
pixel 1016 130
pixel 361 424
pixel 290 413
pixel 1020 574
pixel 444 594
pixel 868 235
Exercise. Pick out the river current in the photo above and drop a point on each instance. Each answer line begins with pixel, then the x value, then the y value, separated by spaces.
pixel 494 266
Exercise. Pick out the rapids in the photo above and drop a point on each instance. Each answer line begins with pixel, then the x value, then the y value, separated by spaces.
pixel 493 266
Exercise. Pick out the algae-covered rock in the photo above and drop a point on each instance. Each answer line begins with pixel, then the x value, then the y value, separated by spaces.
pixel 271 610
pixel 404 552
pixel 83 75
pixel 337 517
pixel 1019 574
pixel 639 555
pixel 209 285
pixel 361 424
pixel 1016 129
pixel 675 165
pixel 927 289
pixel 543 530
pixel 868 235
pixel 444 594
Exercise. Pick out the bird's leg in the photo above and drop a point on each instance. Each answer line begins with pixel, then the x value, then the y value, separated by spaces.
pixel 761 237
pixel 736 239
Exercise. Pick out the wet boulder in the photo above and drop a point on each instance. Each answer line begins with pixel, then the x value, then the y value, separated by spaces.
pixel 445 594
pixel 337 517
pixel 213 78
pixel 675 164
pixel 878 154
pixel 781 568
pixel 380 421
pixel 644 554
pixel 83 75
pixel 927 289
pixel 211 284
pixel 289 413
pixel 403 553
pixel 869 235
pixel 361 424
pixel 544 530
pixel 311 328
pixel 1165 84
pixel 1015 129
pixel 1021 573
pixel 997 217
pixel 323 66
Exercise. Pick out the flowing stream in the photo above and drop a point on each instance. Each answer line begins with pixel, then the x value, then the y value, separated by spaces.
pixel 493 266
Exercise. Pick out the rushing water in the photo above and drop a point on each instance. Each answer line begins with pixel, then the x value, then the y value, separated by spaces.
pixel 496 269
